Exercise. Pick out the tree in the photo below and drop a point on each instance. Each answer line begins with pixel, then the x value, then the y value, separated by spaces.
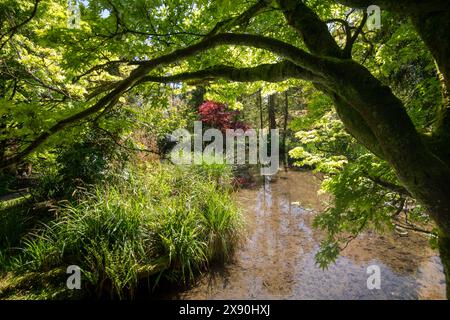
pixel 216 115
pixel 305 47
pixel 271 105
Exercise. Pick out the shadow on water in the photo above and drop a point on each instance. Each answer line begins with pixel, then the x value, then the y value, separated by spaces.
pixel 276 258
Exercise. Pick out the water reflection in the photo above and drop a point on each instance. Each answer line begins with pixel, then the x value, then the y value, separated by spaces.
pixel 276 259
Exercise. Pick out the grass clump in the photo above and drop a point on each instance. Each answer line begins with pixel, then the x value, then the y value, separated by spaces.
pixel 158 222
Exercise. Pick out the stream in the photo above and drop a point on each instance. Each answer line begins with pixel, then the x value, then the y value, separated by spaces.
pixel 276 257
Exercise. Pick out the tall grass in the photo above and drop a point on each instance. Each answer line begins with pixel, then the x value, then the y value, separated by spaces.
pixel 150 223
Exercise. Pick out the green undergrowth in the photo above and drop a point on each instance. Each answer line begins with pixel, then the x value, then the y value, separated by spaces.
pixel 145 225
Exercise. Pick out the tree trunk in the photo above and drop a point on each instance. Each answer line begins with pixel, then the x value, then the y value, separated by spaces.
pixel 420 171
pixel 271 111
pixel 423 169
pixel 197 97
pixel 285 123
pixel 260 107
pixel 433 27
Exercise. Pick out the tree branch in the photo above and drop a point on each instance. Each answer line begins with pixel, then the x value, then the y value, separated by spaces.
pixel 388 185
pixel 278 47
pixel 401 6
pixel 240 20
pixel 98 67
pixel 290 52
pixel 265 72
pixel 347 52
pixel 413 228
pixel 313 31
pixel 15 28
pixel 346 26
pixel 354 123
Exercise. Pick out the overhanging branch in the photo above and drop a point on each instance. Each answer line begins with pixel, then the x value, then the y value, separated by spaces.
pixel 276 72
pixel 10 33
pixel 314 32
pixel 278 47
pixel 240 20
pixel 347 52
pixel 289 52
pixel 401 6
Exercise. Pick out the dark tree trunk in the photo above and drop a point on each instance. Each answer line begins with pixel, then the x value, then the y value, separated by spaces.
pixel 271 107
pixel 260 107
pixel 197 97
pixel 434 29
pixel 422 166
pixel 285 123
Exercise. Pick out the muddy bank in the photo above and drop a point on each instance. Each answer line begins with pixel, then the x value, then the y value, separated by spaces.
pixel 276 258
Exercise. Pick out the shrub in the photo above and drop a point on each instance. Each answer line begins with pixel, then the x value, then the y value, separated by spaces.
pixel 91 160
pixel 217 115
pixel 152 223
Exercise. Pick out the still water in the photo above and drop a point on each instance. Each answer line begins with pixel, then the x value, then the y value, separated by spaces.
pixel 276 257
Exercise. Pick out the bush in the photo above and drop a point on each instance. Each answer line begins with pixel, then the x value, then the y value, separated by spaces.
pixel 158 222
pixel 91 160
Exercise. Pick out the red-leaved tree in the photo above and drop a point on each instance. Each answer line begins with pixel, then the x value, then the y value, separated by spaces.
pixel 217 115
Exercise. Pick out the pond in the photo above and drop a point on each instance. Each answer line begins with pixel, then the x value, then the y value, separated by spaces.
pixel 276 257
